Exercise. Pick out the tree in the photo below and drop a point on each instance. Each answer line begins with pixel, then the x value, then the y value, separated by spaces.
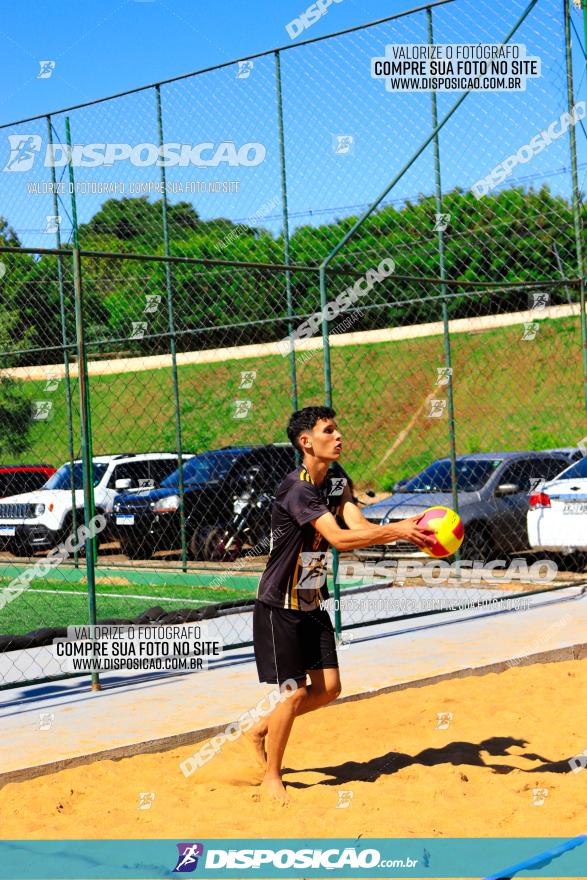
pixel 15 406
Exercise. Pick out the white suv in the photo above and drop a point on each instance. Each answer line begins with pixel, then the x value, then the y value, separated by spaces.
pixel 42 519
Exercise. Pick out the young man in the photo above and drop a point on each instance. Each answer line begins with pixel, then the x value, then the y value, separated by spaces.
pixel 293 636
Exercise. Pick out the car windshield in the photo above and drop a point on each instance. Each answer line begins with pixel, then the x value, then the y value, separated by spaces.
pixel 579 469
pixel 471 476
pixel 61 479
pixel 200 469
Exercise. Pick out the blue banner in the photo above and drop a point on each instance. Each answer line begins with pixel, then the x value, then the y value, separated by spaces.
pixel 489 858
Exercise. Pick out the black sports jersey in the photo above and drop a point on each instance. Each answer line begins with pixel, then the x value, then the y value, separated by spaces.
pixel 295 575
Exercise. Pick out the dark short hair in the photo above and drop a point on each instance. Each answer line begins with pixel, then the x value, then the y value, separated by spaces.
pixel 304 420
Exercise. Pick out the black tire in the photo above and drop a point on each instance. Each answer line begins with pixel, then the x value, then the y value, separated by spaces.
pixel 477 544
pixel 137 551
pixel 215 549
pixel 195 544
pixel 68 530
pixel 571 561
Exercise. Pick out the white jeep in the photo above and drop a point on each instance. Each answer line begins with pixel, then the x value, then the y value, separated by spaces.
pixel 43 519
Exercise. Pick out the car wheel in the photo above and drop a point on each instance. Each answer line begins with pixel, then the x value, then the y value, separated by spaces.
pixel 68 530
pixel 477 543
pixel 196 543
pixel 217 548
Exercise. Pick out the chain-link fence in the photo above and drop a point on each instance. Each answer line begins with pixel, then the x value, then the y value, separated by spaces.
pixel 413 257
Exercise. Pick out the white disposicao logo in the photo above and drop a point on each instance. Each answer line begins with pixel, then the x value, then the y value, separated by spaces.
pixel 208 154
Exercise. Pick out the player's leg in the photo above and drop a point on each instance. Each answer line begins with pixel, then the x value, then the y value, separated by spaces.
pixel 324 688
pixel 315 639
pixel 279 725
pixel 299 640
pixel 280 659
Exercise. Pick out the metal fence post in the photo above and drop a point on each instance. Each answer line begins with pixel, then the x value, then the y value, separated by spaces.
pixel 443 288
pixel 292 354
pixel 86 446
pixel 172 346
pixel 64 338
pixel 577 220
pixel 87 451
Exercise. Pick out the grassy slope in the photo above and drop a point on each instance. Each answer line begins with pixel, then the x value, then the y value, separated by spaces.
pixel 509 394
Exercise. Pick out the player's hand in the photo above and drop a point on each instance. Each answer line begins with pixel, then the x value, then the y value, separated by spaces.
pixel 409 530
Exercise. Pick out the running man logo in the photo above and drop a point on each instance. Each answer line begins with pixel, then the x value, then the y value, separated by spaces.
pixel 53 223
pixel 46 720
pixel 247 378
pixel 437 409
pixel 539 795
pixel 146 798
pixel 52 383
pixel 441 222
pixel 540 301
pixel 531 328
pixel 242 409
pixel 244 69
pixel 139 328
pixel 189 853
pixel 46 69
pixel 337 485
pixel 343 144
pixel 153 301
pixel 22 151
pixel 314 569
pixel 42 410
pixel 444 375
pixel 344 799
pixel 443 720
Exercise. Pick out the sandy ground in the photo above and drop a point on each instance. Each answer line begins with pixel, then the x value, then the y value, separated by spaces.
pixel 379 767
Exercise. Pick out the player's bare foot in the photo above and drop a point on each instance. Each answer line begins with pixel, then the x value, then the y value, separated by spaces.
pixel 273 789
pixel 256 742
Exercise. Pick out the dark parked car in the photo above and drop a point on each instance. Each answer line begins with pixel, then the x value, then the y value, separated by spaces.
pixel 215 482
pixel 151 520
pixel 493 496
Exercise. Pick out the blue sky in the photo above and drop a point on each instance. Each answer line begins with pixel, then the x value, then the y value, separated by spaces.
pixel 108 47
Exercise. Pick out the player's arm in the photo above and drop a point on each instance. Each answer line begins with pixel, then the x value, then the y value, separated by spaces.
pixel 353 539
pixel 351 514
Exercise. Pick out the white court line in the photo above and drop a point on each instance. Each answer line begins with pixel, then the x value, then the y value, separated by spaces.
pixel 110 595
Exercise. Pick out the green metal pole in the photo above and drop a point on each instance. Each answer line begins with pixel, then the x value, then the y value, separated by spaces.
pixel 86 445
pixel 292 354
pixel 328 396
pixel 68 402
pixel 443 288
pixel 577 219
pixel 85 413
pixel 172 346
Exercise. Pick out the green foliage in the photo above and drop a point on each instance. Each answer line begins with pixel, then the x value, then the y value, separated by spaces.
pixel 512 235
pixel 15 406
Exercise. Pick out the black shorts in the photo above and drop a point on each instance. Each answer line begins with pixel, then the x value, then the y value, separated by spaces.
pixel 288 644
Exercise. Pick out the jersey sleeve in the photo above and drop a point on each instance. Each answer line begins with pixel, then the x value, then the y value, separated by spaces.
pixel 304 503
